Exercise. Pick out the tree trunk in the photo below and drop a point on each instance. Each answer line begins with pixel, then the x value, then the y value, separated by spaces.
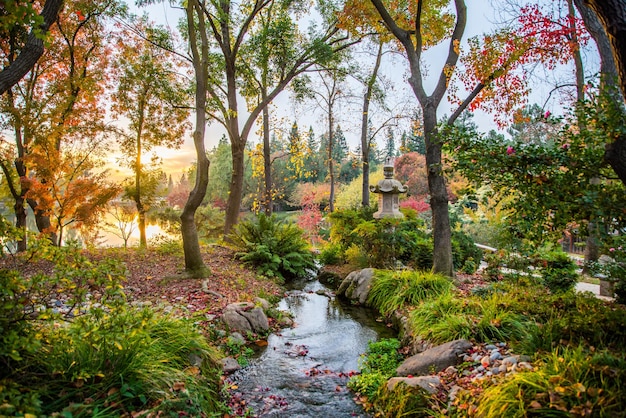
pixel 612 15
pixel 236 186
pixel 20 222
pixel 365 143
pixel 32 50
pixel 141 210
pixel 267 163
pixel 442 235
pixel 191 245
pixel 608 72
pixel 331 172
pixel 42 220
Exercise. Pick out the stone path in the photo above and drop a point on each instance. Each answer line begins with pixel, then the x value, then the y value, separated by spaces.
pixel 593 288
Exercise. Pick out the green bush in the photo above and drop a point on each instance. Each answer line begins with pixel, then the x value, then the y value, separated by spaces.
pixel 393 290
pixel 278 249
pixel 464 249
pixel 331 254
pixel 558 271
pixel 25 300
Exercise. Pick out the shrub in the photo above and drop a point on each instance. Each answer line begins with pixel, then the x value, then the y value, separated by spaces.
pixel 393 290
pixel 463 249
pixel 276 248
pixel 558 271
pixel 26 300
pixel 331 254
pixel 377 365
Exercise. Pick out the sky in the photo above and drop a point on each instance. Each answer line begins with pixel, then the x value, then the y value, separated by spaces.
pixel 481 16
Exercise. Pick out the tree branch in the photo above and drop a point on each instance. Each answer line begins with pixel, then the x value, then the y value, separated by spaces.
pixel 33 49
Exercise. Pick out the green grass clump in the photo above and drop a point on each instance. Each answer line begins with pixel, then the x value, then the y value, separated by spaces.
pixel 393 290
pixel 109 364
pixel 449 317
pixel 377 365
pixel 568 382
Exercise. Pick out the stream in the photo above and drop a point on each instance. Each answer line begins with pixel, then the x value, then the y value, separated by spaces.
pixel 303 371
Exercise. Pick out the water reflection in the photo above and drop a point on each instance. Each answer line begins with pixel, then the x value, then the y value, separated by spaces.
pixel 304 370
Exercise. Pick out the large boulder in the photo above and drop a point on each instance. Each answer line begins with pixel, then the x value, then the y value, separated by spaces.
pixel 245 317
pixel 356 286
pixel 434 359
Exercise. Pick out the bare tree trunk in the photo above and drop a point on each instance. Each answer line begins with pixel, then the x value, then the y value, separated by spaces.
pixel 20 222
pixel 612 16
pixel 236 186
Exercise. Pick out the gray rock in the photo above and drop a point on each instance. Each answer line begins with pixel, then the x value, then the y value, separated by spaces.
pixel 245 317
pixel 434 359
pixel 285 322
pixel 262 303
pixel 195 360
pixel 230 365
pixel 429 383
pixel 509 361
pixel 257 319
pixel 495 356
pixel 236 338
pixel 356 286
pixel 490 347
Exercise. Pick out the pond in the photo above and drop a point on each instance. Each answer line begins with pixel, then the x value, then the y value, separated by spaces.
pixel 303 371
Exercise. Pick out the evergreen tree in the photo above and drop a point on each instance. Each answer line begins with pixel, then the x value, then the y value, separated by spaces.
pixel 390 144
pixel 340 149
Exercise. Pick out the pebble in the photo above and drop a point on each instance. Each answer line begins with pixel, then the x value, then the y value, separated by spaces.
pixel 490 360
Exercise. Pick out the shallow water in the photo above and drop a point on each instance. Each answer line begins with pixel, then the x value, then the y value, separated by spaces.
pixel 303 371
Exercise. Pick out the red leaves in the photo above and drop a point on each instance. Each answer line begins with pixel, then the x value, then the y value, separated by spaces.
pixel 544 35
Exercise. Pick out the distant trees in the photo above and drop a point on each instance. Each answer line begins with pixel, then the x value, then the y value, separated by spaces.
pixel 152 97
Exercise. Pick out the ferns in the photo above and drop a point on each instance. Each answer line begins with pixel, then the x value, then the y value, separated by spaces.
pixel 278 249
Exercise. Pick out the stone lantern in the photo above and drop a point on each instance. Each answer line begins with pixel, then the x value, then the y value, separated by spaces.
pixel 389 190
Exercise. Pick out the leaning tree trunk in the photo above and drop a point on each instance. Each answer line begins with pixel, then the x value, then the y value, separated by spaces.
pixel 191 245
pixel 331 168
